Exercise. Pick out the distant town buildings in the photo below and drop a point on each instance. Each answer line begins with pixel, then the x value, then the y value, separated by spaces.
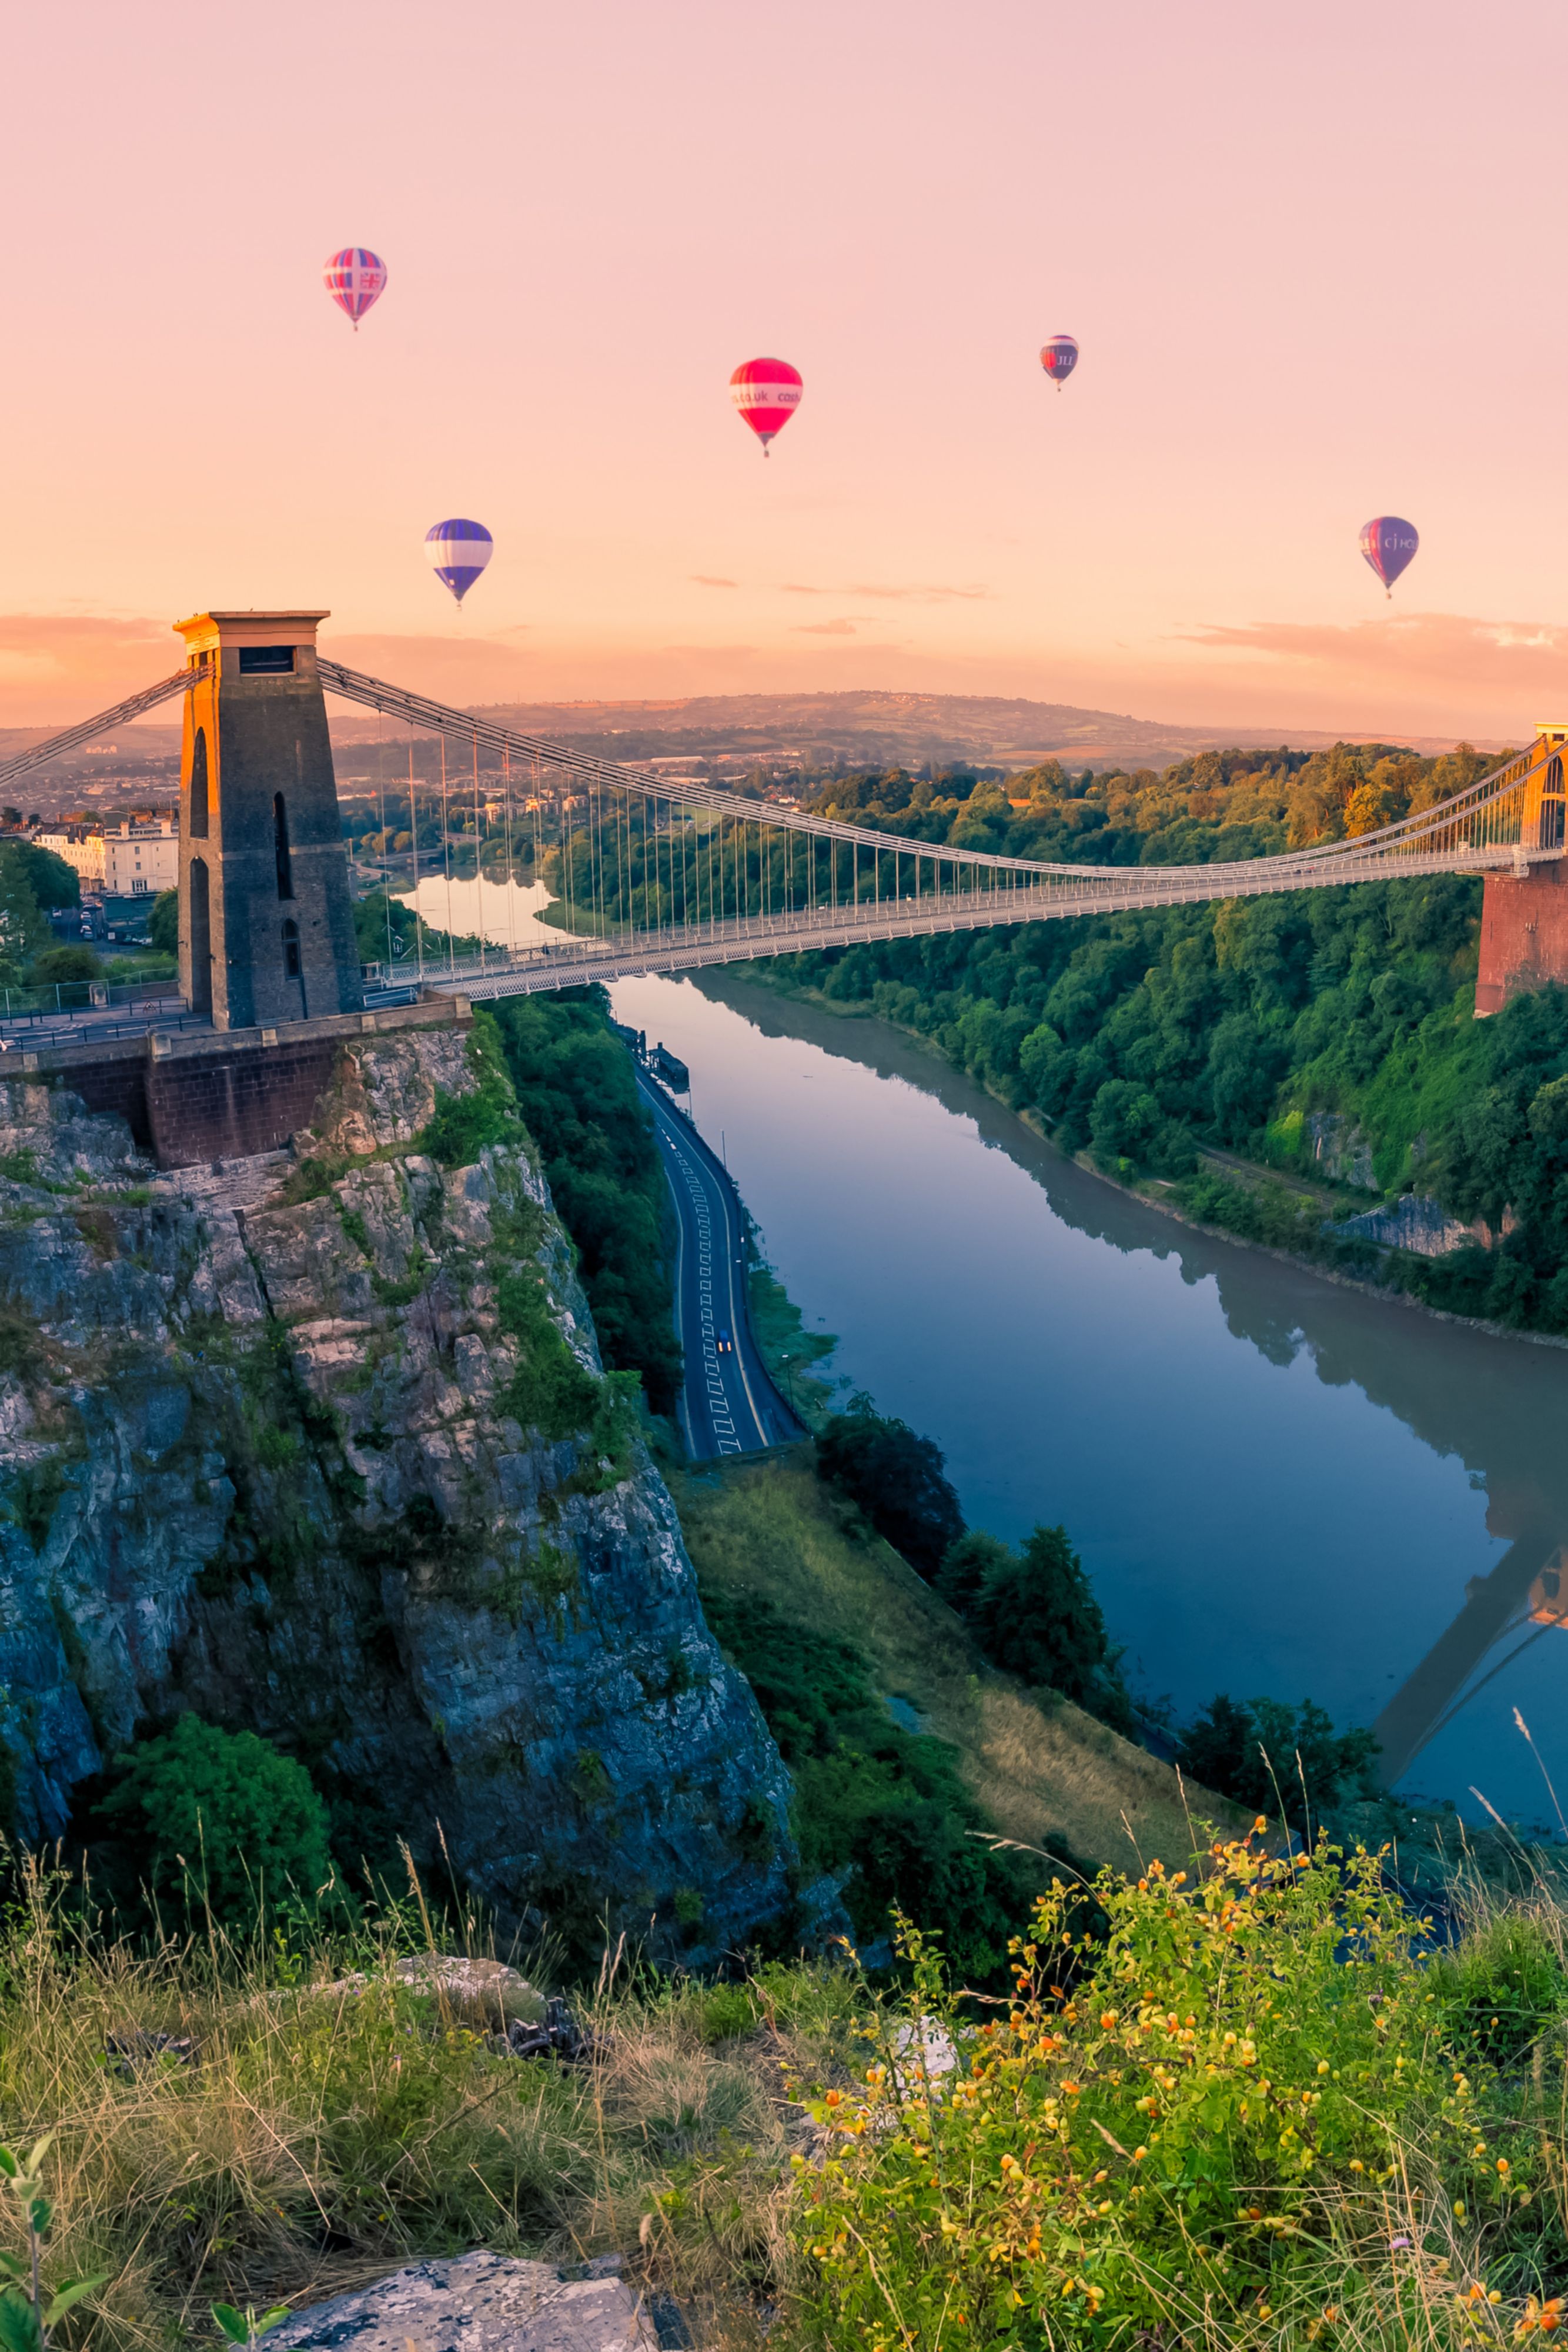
pixel 135 859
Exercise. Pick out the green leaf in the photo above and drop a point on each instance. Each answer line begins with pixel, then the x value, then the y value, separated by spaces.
pixel 36 2154
pixel 229 2320
pixel 14 2265
pixel 272 2318
pixel 18 2324
pixel 40 2212
pixel 71 2290
pixel 8 2164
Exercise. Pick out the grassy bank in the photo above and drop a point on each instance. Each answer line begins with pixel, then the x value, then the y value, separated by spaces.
pixel 1036 1767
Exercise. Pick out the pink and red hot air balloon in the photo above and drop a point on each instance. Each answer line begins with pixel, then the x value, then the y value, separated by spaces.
pixel 355 278
pixel 767 393
pixel 1059 357
pixel 1388 543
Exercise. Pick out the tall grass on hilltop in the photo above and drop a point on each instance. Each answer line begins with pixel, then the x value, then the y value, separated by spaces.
pixel 291 2135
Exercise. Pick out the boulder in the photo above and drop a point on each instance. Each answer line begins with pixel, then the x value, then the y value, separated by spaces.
pixel 481 2303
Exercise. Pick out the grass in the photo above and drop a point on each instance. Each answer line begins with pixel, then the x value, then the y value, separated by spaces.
pixel 1249 2110
pixel 791 1352
pixel 1037 1767
pixel 303 2140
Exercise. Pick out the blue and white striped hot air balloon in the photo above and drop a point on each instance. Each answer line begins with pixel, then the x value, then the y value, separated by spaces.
pixel 459 551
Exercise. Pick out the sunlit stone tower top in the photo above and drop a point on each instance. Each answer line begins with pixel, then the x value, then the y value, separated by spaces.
pixel 266 932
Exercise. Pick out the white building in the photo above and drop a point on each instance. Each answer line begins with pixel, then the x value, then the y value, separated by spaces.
pixel 82 850
pixel 139 860
pixel 134 861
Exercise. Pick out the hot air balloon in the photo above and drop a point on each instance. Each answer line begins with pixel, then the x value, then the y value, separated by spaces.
pixel 1388 544
pixel 767 393
pixel 355 278
pixel 459 550
pixel 1059 357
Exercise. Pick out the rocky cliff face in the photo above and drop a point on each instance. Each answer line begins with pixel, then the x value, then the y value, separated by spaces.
pixel 318 1445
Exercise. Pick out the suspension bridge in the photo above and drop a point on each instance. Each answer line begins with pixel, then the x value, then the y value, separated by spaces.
pixel 648 873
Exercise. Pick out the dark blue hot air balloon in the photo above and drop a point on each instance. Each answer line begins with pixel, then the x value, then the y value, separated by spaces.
pixel 1388 543
pixel 459 551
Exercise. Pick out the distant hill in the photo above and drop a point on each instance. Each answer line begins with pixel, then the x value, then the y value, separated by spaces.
pixel 868 729
pixel 875 728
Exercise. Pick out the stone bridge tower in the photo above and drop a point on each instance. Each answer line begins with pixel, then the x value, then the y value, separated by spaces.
pixel 266 932
pixel 1524 915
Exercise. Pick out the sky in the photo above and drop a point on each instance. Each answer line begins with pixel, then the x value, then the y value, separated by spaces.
pixel 1313 258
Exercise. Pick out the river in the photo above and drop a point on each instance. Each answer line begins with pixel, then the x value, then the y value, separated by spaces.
pixel 1278 1485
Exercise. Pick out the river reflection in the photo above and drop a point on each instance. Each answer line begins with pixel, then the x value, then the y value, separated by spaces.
pixel 1278 1483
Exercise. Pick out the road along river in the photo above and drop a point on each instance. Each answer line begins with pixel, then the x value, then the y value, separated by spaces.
pixel 1279 1484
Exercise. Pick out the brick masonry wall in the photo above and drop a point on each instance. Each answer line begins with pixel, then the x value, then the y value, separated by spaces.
pixel 222 1106
pixel 119 1089
pixel 1524 935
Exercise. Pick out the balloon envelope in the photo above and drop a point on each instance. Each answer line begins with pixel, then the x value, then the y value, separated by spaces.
pixel 355 278
pixel 1059 357
pixel 1388 543
pixel 767 393
pixel 459 551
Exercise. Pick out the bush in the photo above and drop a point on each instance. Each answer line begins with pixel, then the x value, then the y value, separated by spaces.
pixel 56 965
pixel 896 1479
pixel 220 1825
pixel 1035 1615
pixel 1233 2118
pixel 463 1126
pixel 1274 1758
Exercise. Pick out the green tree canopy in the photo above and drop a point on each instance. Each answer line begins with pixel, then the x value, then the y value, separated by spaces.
pixel 219 1822
pixel 1036 1616
pixel 164 923
pixel 896 1478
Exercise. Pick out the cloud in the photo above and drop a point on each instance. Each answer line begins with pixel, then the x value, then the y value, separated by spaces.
pixel 823 629
pixel 705 579
pixel 914 595
pixel 59 667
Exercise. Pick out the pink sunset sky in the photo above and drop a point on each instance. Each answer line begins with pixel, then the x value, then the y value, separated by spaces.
pixel 1315 259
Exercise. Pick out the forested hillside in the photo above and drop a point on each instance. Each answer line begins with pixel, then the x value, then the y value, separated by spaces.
pixel 1329 1035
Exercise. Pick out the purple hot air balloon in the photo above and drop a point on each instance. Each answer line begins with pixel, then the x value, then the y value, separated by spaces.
pixel 1388 543
pixel 1059 357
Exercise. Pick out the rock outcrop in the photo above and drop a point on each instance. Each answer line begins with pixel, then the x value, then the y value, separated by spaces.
pixel 319 1445
pixel 481 2303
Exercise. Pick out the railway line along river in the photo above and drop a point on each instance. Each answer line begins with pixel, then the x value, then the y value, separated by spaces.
pixel 1279 1485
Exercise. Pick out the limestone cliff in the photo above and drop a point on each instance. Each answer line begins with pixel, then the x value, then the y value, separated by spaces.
pixel 318 1445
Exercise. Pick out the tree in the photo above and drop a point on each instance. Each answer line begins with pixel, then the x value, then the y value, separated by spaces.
pixel 897 1480
pixel 1037 1617
pixel 965 1567
pixel 219 1822
pixel 1273 1758
pixel 164 923
pixel 54 882
pixel 22 928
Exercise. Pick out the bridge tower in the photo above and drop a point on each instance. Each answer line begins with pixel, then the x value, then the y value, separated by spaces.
pixel 1524 915
pixel 266 932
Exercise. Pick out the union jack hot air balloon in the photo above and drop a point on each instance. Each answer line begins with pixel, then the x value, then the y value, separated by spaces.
pixel 459 551
pixel 355 278
pixel 767 393
pixel 1059 357
pixel 1388 544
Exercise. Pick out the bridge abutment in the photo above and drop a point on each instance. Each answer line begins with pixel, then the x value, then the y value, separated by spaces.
pixel 1524 935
